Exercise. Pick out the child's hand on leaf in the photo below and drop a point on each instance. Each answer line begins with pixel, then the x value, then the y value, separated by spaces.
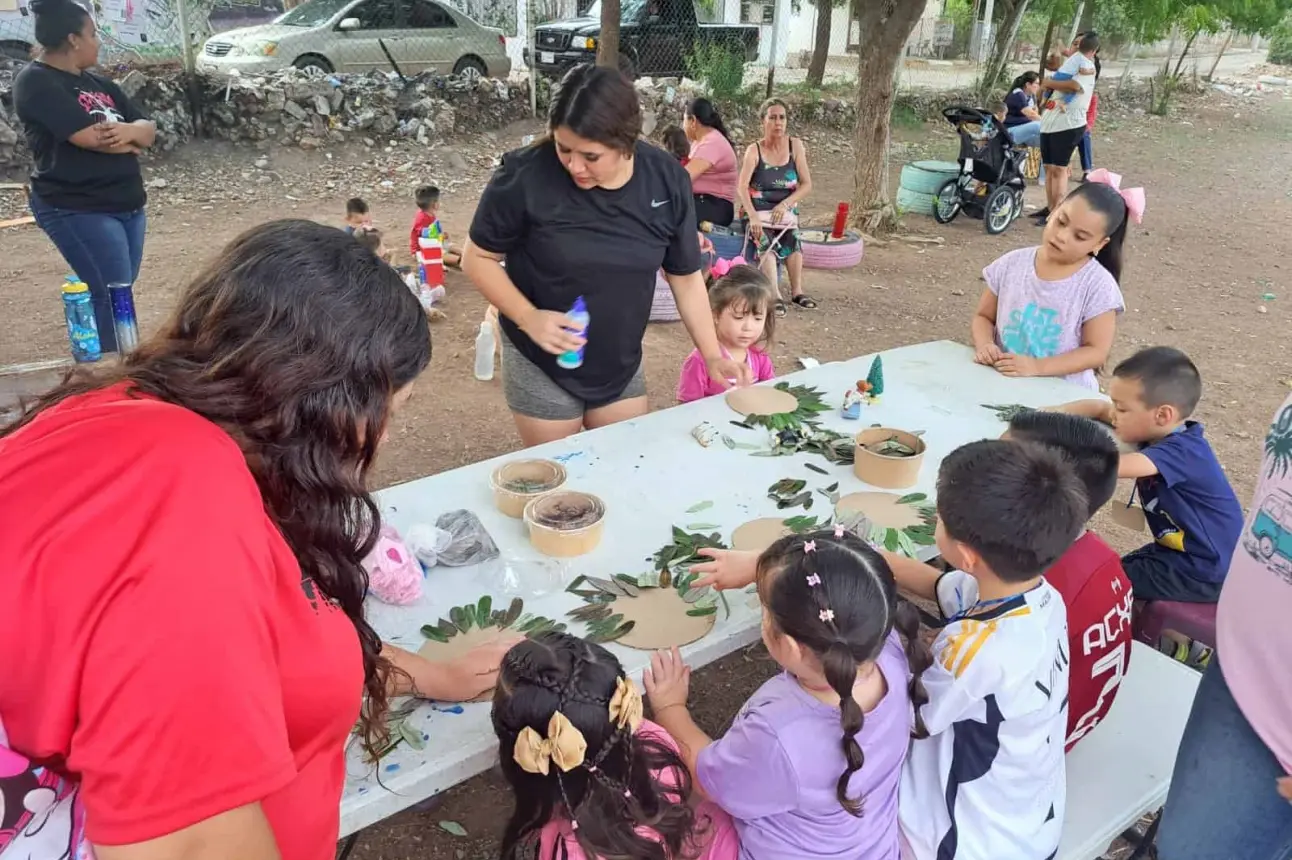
pixel 729 568
pixel 667 681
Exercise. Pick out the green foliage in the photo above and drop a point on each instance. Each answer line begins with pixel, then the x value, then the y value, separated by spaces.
pixel 1281 43
pixel 719 67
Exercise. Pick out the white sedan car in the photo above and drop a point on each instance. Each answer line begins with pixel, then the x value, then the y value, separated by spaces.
pixel 360 35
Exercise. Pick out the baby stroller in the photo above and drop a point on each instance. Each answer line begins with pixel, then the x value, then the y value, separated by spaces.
pixel 990 185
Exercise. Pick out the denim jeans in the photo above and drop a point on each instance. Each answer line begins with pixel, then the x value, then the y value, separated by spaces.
pixel 1087 154
pixel 1223 802
pixel 102 248
pixel 1028 134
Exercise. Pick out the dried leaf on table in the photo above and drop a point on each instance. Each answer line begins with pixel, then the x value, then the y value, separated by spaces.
pixel 453 828
pixel 627 584
pixel 701 506
pixel 411 736
pixel 912 498
pixel 815 468
pixel 701 526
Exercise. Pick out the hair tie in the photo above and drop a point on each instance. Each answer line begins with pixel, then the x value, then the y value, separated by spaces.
pixel 838 530
pixel 626 705
pixel 1133 197
pixel 564 745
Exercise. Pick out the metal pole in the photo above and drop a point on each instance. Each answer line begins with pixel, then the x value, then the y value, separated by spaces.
pixel 984 40
pixel 532 20
pixel 775 46
pixel 186 36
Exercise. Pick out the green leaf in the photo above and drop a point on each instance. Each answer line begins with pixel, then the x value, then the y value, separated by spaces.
pixel 921 538
pixel 815 468
pixel 607 586
pixel 513 612
pixel 459 618
pixel 904 544
pixel 700 506
pixel 833 487
pixel 729 442
pixel 890 540
pixel 680 537
pixel 701 526
pixel 573 586
pixel 453 828
pixel 483 610
pixel 912 498
pixel 627 583
pixel 469 611
pixel 703 610
pixel 695 595
pixel 448 628
pixel 411 736
pixel 590 612
pixel 432 632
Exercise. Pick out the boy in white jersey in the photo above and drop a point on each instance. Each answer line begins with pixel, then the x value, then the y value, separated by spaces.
pixel 987 783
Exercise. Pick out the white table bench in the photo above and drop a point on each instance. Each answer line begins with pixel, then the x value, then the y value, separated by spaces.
pixel 1121 771
pixel 649 472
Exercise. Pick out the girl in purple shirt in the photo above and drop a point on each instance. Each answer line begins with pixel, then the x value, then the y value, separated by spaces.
pixel 810 767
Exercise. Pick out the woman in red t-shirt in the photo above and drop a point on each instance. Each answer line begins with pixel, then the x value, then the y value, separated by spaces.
pixel 180 562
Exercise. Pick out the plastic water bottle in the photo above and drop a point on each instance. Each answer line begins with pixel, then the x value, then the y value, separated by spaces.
pixel 123 317
pixel 484 352
pixel 82 332
pixel 573 359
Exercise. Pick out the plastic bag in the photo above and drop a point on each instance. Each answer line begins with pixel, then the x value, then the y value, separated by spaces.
pixel 394 576
pixel 427 542
pixel 524 577
pixel 470 543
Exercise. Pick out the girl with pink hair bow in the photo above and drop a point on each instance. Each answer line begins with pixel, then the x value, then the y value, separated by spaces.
pixel 1052 310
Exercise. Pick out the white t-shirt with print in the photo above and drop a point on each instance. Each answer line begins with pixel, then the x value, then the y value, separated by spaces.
pixel 1061 113
pixel 988 782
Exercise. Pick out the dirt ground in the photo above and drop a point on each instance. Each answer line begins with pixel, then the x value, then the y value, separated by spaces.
pixel 1206 272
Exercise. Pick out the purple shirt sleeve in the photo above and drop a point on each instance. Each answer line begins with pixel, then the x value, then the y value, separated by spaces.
pixel 693 382
pixel 1103 296
pixel 747 771
pixel 997 273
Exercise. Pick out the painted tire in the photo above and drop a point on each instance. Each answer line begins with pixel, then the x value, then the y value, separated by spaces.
pixel 926 177
pixel 916 202
pixel 832 255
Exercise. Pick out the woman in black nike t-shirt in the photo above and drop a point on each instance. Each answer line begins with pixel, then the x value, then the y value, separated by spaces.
pixel 85 136
pixel 588 211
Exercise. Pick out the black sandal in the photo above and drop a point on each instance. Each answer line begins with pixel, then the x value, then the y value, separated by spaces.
pixel 781 308
pixel 805 301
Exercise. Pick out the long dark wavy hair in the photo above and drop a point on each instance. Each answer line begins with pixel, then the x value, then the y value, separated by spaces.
pixel 294 341
pixel 857 585
pixel 559 672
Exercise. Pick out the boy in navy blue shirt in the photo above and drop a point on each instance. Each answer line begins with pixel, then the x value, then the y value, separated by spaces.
pixel 1189 506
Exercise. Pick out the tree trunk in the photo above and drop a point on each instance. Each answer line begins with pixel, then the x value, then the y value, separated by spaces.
pixel 1076 21
pixel 1121 82
pixel 821 49
pixel 1049 38
pixel 1229 36
pixel 974 31
pixel 885 26
pixel 1187 45
pixel 608 44
pixel 1086 22
pixel 1005 37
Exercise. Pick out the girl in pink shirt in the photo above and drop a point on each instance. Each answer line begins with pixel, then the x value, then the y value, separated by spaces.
pixel 742 302
pixel 590 777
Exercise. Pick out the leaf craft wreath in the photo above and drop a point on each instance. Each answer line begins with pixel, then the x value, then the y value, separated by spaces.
pixel 899 524
pixel 809 405
pixel 647 612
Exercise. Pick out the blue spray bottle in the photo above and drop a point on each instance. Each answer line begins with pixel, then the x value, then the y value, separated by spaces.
pixel 574 358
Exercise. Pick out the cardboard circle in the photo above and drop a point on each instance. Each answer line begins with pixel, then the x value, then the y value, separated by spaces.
pixel 758 535
pixel 761 400
pixel 661 620
pixel 881 509
pixel 457 647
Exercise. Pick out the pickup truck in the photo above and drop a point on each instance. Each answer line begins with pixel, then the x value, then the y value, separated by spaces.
pixel 656 37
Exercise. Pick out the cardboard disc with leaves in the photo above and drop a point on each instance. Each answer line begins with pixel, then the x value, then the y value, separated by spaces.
pixel 478 624
pixel 896 523
pixel 762 400
pixel 649 612
pixel 758 535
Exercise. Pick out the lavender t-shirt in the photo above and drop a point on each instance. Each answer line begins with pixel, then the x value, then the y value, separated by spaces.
pixel 1044 318
pixel 776 769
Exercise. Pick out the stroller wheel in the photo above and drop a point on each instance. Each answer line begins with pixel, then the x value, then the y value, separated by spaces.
pixel 998 211
pixel 1020 202
pixel 946 203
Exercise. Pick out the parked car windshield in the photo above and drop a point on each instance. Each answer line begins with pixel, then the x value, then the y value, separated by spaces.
pixel 313 13
pixel 629 12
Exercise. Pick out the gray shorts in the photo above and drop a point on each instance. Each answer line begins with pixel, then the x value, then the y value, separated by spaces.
pixel 532 393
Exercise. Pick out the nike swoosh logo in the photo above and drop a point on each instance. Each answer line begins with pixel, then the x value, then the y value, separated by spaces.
pixel 655 204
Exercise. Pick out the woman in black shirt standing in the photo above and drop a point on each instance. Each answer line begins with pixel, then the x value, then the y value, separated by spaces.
pixel 85 137
pixel 588 211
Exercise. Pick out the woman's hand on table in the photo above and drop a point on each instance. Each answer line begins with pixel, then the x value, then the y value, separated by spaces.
pixel 667 681
pixel 729 569
pixel 729 373
pixel 987 354
pixel 1010 364
pixel 553 331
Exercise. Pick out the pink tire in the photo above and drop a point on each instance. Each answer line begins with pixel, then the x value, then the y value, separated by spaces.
pixel 832 255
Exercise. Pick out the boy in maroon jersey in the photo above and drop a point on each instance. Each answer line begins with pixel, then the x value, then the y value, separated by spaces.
pixel 1089 575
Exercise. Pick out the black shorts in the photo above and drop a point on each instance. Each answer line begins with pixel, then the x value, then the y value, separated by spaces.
pixel 1057 146
pixel 1153 578
pixel 713 209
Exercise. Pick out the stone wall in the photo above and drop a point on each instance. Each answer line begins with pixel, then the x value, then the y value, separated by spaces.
pixel 294 108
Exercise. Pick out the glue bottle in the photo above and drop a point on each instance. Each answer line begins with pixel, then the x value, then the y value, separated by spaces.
pixel 573 359
pixel 484 352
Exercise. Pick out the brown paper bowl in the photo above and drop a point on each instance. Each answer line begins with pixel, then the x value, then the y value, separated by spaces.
pixel 512 502
pixel 552 533
pixel 890 473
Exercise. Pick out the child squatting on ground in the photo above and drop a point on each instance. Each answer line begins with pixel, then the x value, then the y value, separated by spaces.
pixel 1052 310
pixel 589 776
pixel 1187 502
pixel 742 302
pixel 357 214
pixel 1089 575
pixel 810 768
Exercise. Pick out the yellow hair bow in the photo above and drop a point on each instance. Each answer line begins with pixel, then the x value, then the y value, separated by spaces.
pixel 626 705
pixel 564 745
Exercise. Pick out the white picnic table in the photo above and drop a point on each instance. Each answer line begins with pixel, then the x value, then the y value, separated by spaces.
pixel 650 472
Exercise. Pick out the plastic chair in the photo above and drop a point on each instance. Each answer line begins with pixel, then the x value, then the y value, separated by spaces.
pixel 1194 620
